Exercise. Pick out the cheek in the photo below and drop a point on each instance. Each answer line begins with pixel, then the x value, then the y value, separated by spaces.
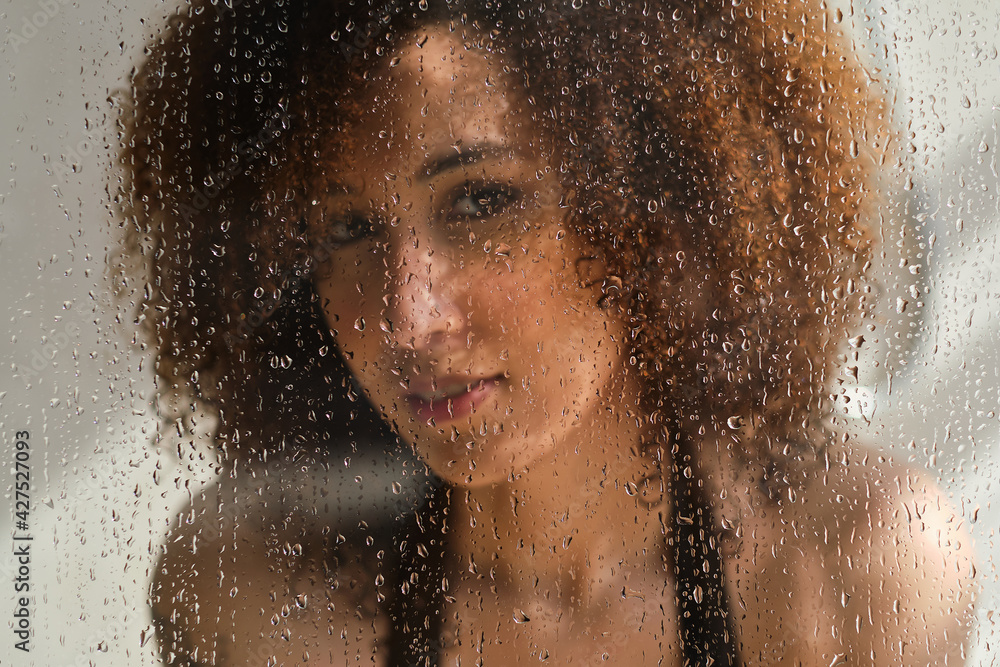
pixel 553 325
pixel 582 341
pixel 545 294
pixel 502 296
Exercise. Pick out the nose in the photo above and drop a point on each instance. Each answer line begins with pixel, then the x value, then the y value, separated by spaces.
pixel 424 309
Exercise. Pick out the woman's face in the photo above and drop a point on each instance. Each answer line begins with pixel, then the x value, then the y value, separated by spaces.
pixel 454 289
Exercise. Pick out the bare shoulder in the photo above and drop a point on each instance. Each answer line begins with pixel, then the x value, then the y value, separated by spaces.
pixel 240 583
pixel 903 554
pixel 851 561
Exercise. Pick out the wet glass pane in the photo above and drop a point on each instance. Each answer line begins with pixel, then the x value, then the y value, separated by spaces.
pixel 456 333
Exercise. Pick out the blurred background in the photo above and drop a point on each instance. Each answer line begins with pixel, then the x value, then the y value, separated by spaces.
pixel 105 490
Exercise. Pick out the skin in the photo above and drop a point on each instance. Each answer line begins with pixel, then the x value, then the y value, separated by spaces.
pixel 453 253
pixel 860 563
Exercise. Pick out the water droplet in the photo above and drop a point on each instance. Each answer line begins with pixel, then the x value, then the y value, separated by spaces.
pixel 359 324
pixel 735 422
pixel 520 616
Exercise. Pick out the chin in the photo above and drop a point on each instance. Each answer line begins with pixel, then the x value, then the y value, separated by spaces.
pixel 467 471
pixel 483 453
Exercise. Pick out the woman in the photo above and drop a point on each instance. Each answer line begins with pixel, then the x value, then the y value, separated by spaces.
pixel 596 278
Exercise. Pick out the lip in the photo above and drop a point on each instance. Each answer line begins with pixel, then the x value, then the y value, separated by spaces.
pixel 450 398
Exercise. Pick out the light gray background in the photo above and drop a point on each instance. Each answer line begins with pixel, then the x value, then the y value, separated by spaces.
pixel 104 489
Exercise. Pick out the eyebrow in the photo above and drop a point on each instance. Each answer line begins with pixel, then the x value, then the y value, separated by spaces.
pixel 463 157
pixel 435 166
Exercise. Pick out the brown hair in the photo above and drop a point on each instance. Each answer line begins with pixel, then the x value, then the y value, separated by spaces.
pixel 711 149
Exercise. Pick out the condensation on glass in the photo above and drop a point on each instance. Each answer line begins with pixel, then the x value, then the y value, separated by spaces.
pixel 458 333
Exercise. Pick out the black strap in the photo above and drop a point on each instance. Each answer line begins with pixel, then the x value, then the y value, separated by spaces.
pixel 706 621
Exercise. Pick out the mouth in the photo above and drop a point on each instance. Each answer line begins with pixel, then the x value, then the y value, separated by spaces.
pixel 451 398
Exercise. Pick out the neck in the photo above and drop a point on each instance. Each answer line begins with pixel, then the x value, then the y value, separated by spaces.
pixel 575 526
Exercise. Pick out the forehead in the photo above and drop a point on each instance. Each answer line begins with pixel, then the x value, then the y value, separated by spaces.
pixel 434 91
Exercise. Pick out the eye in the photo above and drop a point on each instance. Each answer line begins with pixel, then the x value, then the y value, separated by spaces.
pixel 348 228
pixel 482 201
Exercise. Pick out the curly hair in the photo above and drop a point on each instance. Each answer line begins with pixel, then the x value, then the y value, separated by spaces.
pixel 715 152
